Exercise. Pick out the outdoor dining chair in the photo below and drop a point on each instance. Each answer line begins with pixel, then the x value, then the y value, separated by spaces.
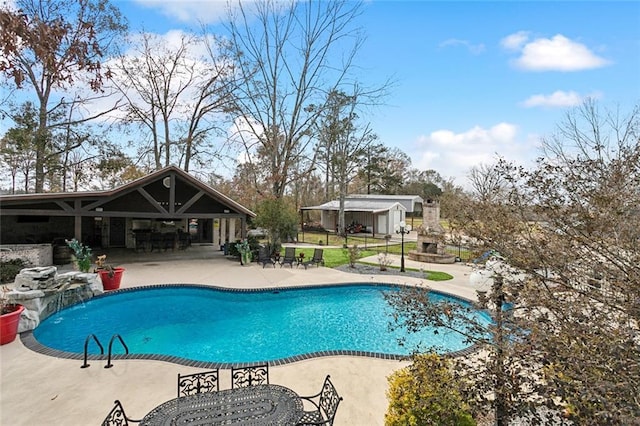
pixel 190 384
pixel 117 416
pixel 325 403
pixel 253 375
pixel 289 256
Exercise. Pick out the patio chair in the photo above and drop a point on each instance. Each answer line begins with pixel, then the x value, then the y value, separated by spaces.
pixel 317 258
pixel 190 384
pixel 143 241
pixel 265 258
pixel 156 241
pixel 325 403
pixel 117 416
pixel 253 375
pixel 169 240
pixel 289 256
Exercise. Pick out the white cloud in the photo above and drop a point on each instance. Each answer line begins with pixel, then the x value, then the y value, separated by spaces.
pixel 552 54
pixel 453 154
pixel 515 41
pixel 558 99
pixel 190 11
pixel 475 49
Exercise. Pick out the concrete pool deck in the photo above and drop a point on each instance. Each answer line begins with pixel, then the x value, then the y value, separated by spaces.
pixel 36 389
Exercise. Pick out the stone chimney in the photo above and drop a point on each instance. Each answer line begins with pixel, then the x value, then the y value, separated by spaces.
pixel 431 217
pixel 430 245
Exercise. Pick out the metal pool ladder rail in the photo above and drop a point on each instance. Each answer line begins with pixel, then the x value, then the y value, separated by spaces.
pixel 95 338
pixel 86 345
pixel 124 345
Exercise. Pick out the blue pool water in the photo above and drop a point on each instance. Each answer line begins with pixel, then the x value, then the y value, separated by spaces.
pixel 214 325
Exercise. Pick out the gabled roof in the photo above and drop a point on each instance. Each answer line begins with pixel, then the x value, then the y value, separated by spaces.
pixel 170 172
pixel 409 201
pixel 372 206
pixel 374 203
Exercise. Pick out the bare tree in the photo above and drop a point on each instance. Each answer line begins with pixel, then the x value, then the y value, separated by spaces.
pixel 567 231
pixel 345 143
pixel 50 46
pixel 174 91
pixel 486 182
pixel 289 55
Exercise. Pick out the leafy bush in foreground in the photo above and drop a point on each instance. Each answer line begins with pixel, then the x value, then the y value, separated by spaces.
pixel 426 393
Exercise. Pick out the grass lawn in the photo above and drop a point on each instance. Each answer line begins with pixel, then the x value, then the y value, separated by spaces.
pixel 338 256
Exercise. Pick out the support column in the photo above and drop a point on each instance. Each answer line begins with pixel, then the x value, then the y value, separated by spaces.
pixel 223 231
pixel 77 226
pixel 232 230
pixel 216 234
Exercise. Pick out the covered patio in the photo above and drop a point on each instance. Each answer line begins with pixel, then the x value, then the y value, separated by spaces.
pixel 166 209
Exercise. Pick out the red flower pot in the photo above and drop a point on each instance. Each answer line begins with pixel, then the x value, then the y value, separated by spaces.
pixel 111 282
pixel 9 323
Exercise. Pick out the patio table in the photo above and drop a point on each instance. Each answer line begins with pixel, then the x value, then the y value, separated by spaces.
pixel 253 405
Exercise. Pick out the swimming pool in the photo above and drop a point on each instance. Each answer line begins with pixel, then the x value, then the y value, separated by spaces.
pixel 211 324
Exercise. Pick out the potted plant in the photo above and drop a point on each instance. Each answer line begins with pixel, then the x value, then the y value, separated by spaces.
pixel 110 276
pixel 244 249
pixel 81 255
pixel 9 318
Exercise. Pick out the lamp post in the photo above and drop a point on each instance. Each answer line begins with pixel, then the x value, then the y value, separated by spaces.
pixel 402 228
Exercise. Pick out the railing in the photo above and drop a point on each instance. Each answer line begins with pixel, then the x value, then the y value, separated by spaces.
pixel 86 346
pixel 124 345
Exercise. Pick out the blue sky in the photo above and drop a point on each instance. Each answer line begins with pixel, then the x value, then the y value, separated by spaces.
pixel 473 80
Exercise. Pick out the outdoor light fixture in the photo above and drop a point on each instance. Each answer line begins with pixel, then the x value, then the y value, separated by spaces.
pixel 402 228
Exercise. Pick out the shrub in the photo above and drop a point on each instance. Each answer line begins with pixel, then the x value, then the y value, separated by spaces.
pixel 384 261
pixel 10 268
pixel 426 393
pixel 353 253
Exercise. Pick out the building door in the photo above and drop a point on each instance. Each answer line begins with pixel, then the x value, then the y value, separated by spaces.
pixel 117 232
pixel 382 224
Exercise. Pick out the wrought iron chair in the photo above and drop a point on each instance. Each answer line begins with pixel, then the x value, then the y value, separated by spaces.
pixel 243 377
pixel 117 416
pixel 289 256
pixel 326 406
pixel 265 258
pixel 190 384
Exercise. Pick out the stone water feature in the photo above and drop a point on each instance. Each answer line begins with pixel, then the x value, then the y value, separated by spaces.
pixel 42 292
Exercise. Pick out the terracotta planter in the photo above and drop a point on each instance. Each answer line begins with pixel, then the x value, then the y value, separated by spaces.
pixel 9 324
pixel 113 282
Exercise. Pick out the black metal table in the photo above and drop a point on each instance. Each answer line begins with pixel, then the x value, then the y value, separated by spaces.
pixel 253 405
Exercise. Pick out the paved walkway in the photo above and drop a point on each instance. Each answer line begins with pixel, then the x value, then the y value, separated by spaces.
pixel 42 390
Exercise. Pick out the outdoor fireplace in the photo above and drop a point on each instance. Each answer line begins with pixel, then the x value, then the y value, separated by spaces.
pixel 430 245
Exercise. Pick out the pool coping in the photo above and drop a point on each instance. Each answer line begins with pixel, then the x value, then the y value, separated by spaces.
pixel 33 344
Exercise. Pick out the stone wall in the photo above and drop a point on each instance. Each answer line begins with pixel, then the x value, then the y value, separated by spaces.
pixel 33 254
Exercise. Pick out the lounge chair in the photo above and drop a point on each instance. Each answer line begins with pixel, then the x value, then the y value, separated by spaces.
pixel 265 258
pixel 117 416
pixel 317 258
pixel 325 405
pixel 253 375
pixel 289 256
pixel 190 384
